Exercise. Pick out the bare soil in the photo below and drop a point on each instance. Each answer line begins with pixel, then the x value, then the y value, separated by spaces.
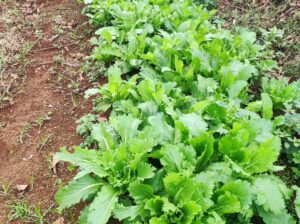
pixel 45 100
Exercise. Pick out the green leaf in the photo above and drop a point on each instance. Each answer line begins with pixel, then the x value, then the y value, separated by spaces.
pixel 131 212
pixel 217 113
pixel 194 123
pixel 162 129
pixel 236 88
pixel 172 158
pixel 204 147
pixel 148 108
pixel 179 187
pixel 190 210
pixel 248 36
pixel 214 218
pixel 267 106
pixel 91 92
pixel 76 191
pixel 140 191
pixel 261 159
pixel 232 145
pixel 280 91
pixel 155 205
pixel 157 181
pixel 268 65
pixel 161 220
pixel 145 171
pixel 83 218
pixel 241 189
pixel 268 195
pixel 271 218
pixel 178 64
pixel 102 206
pixel 228 203
pixel 102 134
pixel 126 126
pixel 87 160
pixel 297 201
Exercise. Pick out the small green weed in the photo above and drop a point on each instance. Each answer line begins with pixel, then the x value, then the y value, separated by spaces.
pixel 44 141
pixel 5 189
pixel 21 211
pixel 23 132
pixel 42 119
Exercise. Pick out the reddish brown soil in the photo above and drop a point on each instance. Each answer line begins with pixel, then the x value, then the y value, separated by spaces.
pixel 42 93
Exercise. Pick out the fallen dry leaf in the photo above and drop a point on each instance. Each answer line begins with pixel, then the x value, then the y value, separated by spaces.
pixel 54 164
pixel 21 187
pixel 59 221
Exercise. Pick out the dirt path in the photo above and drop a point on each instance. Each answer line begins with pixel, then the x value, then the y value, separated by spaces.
pixel 45 107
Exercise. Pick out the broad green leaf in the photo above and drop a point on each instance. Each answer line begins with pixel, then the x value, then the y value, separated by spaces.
pixel 190 210
pixel 101 208
pixel 214 218
pixel 194 123
pixel 228 203
pixel 217 113
pixel 140 191
pixel 204 147
pixel 103 135
pixel 268 65
pixel 155 205
pixel 267 106
pixel 179 187
pixel 297 201
pixel 261 158
pixel 91 92
pixel 233 146
pixel 126 126
pixel 76 191
pixel 148 108
pixel 87 160
pixel 83 218
pixel 271 218
pixel 121 212
pixel 157 181
pixel 161 220
pixel 162 129
pixel 172 158
pixel 268 195
pixel 248 36
pixel 236 88
pixel 241 189
pixel 145 171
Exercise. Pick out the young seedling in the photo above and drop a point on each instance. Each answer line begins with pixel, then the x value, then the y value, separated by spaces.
pixel 44 141
pixel 26 48
pixel 74 100
pixel 21 211
pixel 42 119
pixel 31 181
pixel 58 59
pixel 23 133
pixel 18 210
pixel 5 189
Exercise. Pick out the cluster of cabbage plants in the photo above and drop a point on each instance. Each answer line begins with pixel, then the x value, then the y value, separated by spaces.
pixel 189 138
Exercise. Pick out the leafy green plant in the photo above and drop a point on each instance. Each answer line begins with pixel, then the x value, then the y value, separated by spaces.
pixel 185 141
pixel 285 98
pixel 5 189
pixel 280 91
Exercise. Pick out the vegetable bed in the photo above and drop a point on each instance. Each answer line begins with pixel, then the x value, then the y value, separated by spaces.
pixel 195 126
